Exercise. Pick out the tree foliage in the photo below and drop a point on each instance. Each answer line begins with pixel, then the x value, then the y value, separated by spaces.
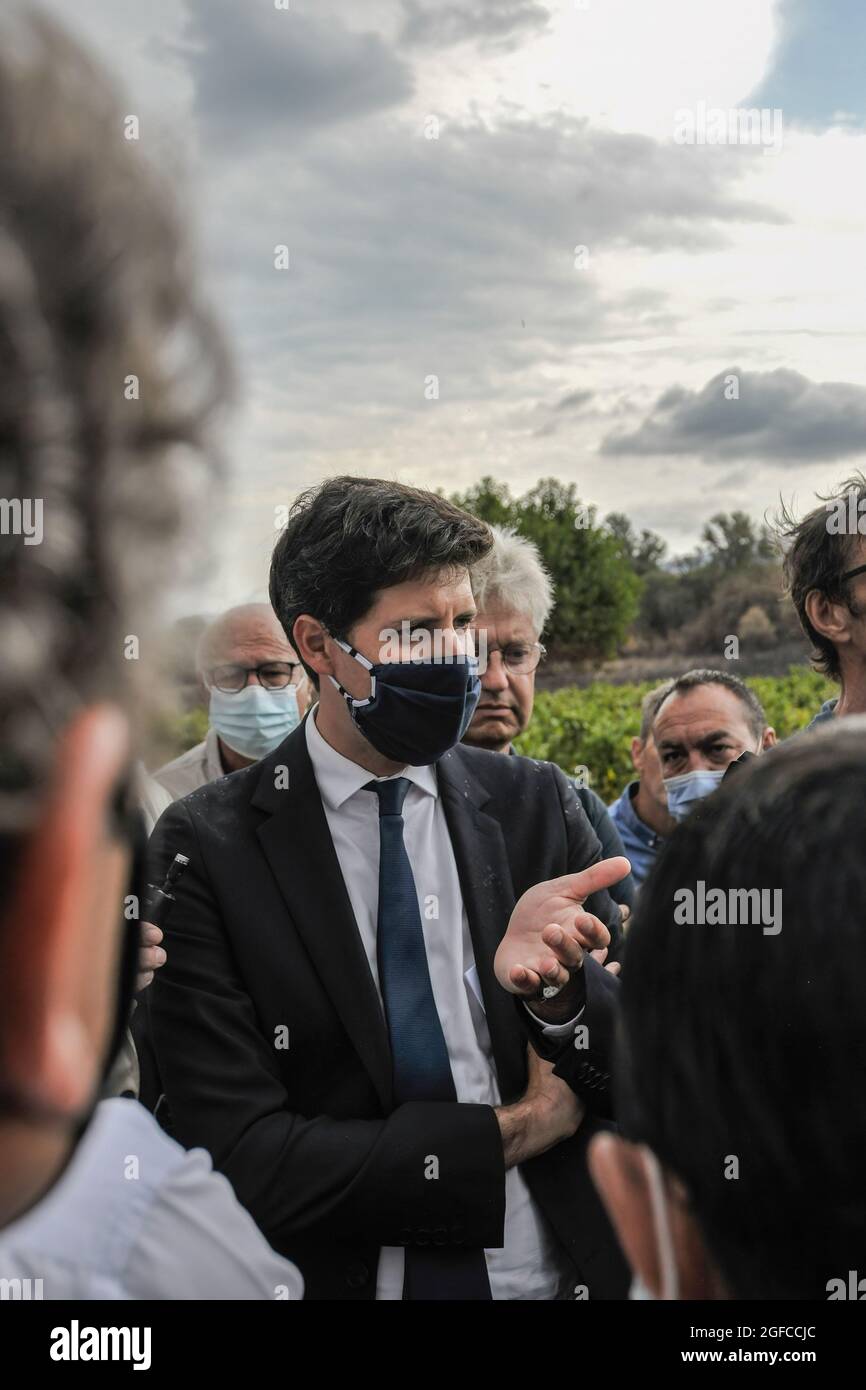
pixel 696 600
pixel 597 588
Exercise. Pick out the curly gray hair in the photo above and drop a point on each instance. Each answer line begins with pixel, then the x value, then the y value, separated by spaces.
pixel 512 575
pixel 95 292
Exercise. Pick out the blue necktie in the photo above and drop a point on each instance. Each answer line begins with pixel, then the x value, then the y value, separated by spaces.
pixel 422 1070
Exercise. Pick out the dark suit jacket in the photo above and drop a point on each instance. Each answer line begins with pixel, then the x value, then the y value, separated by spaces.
pixel 273 1048
pixel 588 1062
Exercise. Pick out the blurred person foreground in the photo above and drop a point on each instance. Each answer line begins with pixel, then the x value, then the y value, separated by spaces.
pixel 96 283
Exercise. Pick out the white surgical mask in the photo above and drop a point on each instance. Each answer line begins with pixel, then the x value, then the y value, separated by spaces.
pixel 254 721
pixel 688 788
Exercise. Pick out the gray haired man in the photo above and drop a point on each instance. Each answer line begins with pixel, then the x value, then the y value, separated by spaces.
pixel 514 595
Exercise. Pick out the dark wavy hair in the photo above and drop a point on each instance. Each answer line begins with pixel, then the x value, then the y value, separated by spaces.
pixel 349 538
pixel 738 1044
pixel 816 558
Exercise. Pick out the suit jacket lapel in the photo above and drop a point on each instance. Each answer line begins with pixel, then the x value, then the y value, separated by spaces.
pixel 488 894
pixel 297 844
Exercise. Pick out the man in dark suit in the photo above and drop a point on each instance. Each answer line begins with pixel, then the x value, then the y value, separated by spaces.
pixel 328 1024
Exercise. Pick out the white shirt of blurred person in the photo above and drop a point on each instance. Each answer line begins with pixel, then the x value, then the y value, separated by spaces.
pixel 71 845
pixel 640 813
pixel 152 797
pixel 258 693
pixel 514 596
pixel 706 721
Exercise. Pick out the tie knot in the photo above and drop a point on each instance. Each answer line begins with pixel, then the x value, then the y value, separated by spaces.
pixel 391 794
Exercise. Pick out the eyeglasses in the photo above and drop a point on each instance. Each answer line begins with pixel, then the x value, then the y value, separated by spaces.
pixel 518 657
pixel 273 675
pixel 849 574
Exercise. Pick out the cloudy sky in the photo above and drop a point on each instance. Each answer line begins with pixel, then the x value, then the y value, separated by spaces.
pixel 560 126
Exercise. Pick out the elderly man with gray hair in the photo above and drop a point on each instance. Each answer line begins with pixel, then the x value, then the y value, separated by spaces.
pixel 514 595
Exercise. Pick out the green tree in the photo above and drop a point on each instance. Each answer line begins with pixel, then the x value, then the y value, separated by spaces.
pixel 733 542
pixel 490 501
pixel 597 590
pixel 645 551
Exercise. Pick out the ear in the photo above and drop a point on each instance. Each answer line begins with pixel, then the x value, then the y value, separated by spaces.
pixel 60 938
pixel 831 619
pixel 637 747
pixel 311 643
pixel 769 738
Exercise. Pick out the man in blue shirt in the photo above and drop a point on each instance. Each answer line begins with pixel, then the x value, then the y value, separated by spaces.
pixel 640 813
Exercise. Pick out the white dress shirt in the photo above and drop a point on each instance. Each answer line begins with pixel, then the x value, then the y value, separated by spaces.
pixel 530 1265
pixel 134 1215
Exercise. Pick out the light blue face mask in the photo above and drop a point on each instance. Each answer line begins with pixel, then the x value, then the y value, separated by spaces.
pixel 254 721
pixel 685 791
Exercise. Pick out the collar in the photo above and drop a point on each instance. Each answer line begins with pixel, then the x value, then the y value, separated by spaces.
pixel 630 817
pixel 827 711
pixel 338 778
pixel 213 763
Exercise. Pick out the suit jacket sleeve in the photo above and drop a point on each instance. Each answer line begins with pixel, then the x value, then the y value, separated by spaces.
pixel 352 1178
pixel 584 1058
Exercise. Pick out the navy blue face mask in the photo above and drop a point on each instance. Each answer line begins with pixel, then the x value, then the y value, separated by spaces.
pixel 416 710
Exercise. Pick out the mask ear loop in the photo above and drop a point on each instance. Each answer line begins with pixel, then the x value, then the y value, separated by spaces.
pixel 670 1282
pixel 368 665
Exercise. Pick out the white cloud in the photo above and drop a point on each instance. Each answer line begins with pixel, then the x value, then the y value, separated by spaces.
pixel 455 256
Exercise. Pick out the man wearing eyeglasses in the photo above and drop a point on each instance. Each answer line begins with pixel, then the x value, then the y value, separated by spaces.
pixel 825 573
pixel 258 693
pixel 514 595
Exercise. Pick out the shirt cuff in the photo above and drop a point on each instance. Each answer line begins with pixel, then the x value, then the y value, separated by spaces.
pixel 555 1030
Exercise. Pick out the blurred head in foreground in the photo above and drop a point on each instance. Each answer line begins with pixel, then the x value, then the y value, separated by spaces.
pixel 743 1049
pixel 109 371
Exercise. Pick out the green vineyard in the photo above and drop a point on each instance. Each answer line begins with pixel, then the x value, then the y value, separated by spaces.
pixel 593 727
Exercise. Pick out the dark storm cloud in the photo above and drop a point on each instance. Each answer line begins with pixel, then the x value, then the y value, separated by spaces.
pixel 778 415
pixel 262 73
pixel 496 23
